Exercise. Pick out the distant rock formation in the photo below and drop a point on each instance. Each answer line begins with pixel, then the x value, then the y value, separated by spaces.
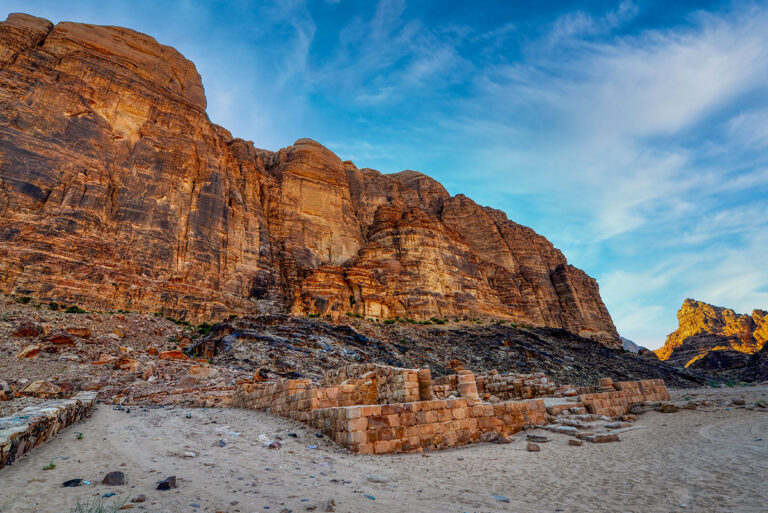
pixel 116 191
pixel 714 338
pixel 630 346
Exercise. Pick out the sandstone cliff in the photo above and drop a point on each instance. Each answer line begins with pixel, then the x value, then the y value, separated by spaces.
pixel 117 191
pixel 704 328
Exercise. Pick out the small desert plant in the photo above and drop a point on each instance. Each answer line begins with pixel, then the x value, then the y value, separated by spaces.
pixel 204 328
pixel 97 506
pixel 53 306
pixel 74 309
pixel 313 315
pixel 50 466
pixel 79 436
pixel 23 300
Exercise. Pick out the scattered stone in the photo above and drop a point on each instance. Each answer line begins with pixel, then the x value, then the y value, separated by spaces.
pixel 575 443
pixel 114 479
pixel 489 436
pixel 739 402
pixel 27 329
pixel 43 389
pixel 603 438
pixel 79 332
pixel 126 506
pixel 167 483
pixel 274 444
pixel 500 498
pixel 330 506
pixel 222 443
pixel 669 408
pixel 538 438
pixel 503 439
pixel 173 355
pixel 378 479
pixel 72 483
pixel 139 498
pixel 532 447
pixel 189 454
pixel 29 351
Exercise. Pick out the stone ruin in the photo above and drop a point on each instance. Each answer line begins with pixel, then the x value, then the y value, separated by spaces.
pixel 376 409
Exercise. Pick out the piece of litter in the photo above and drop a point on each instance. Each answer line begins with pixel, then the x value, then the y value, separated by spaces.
pixel 368 496
pixel 312 446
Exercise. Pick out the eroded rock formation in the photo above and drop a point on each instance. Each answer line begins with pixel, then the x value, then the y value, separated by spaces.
pixel 704 328
pixel 116 191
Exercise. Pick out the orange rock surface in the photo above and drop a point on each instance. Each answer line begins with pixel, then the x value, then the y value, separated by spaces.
pixel 116 191
pixel 741 332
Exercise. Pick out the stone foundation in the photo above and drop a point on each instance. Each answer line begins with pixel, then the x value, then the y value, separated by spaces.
pixel 34 425
pixel 373 409
pixel 617 398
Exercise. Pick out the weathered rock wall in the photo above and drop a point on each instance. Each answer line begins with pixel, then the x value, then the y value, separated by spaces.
pixel 116 191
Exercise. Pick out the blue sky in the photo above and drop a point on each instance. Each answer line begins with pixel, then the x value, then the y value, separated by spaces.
pixel 632 134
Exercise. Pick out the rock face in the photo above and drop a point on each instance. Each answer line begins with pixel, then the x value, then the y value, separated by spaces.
pixel 116 191
pixel 704 329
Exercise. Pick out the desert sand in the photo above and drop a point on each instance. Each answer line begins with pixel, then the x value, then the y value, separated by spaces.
pixel 712 459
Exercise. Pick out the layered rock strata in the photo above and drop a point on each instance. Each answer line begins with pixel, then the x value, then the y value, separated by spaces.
pixel 704 328
pixel 116 191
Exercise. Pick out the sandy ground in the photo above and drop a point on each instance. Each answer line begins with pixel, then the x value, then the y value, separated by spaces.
pixel 714 459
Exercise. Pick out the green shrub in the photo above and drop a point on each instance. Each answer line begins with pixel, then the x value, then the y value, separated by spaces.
pixel 313 315
pixel 53 306
pixel 50 466
pixel 74 309
pixel 23 300
pixel 204 328
pixel 389 321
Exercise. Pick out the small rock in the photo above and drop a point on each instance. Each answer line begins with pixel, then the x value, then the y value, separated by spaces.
pixel 378 479
pixel 127 506
pixel 739 402
pixel 222 443
pixel 504 439
pixel 189 454
pixel 532 447
pixel 72 483
pixel 538 438
pixel 489 436
pixel 669 408
pixel 114 479
pixel 139 498
pixel 575 443
pixel 330 506
pixel 167 483
pixel 500 498
pixel 603 438
pixel 274 444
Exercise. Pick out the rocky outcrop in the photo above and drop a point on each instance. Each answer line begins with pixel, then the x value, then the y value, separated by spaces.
pixel 116 191
pixel 704 329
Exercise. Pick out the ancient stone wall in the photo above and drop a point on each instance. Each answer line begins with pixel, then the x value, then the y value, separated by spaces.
pixel 624 395
pixel 424 425
pixel 376 409
pixel 35 425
